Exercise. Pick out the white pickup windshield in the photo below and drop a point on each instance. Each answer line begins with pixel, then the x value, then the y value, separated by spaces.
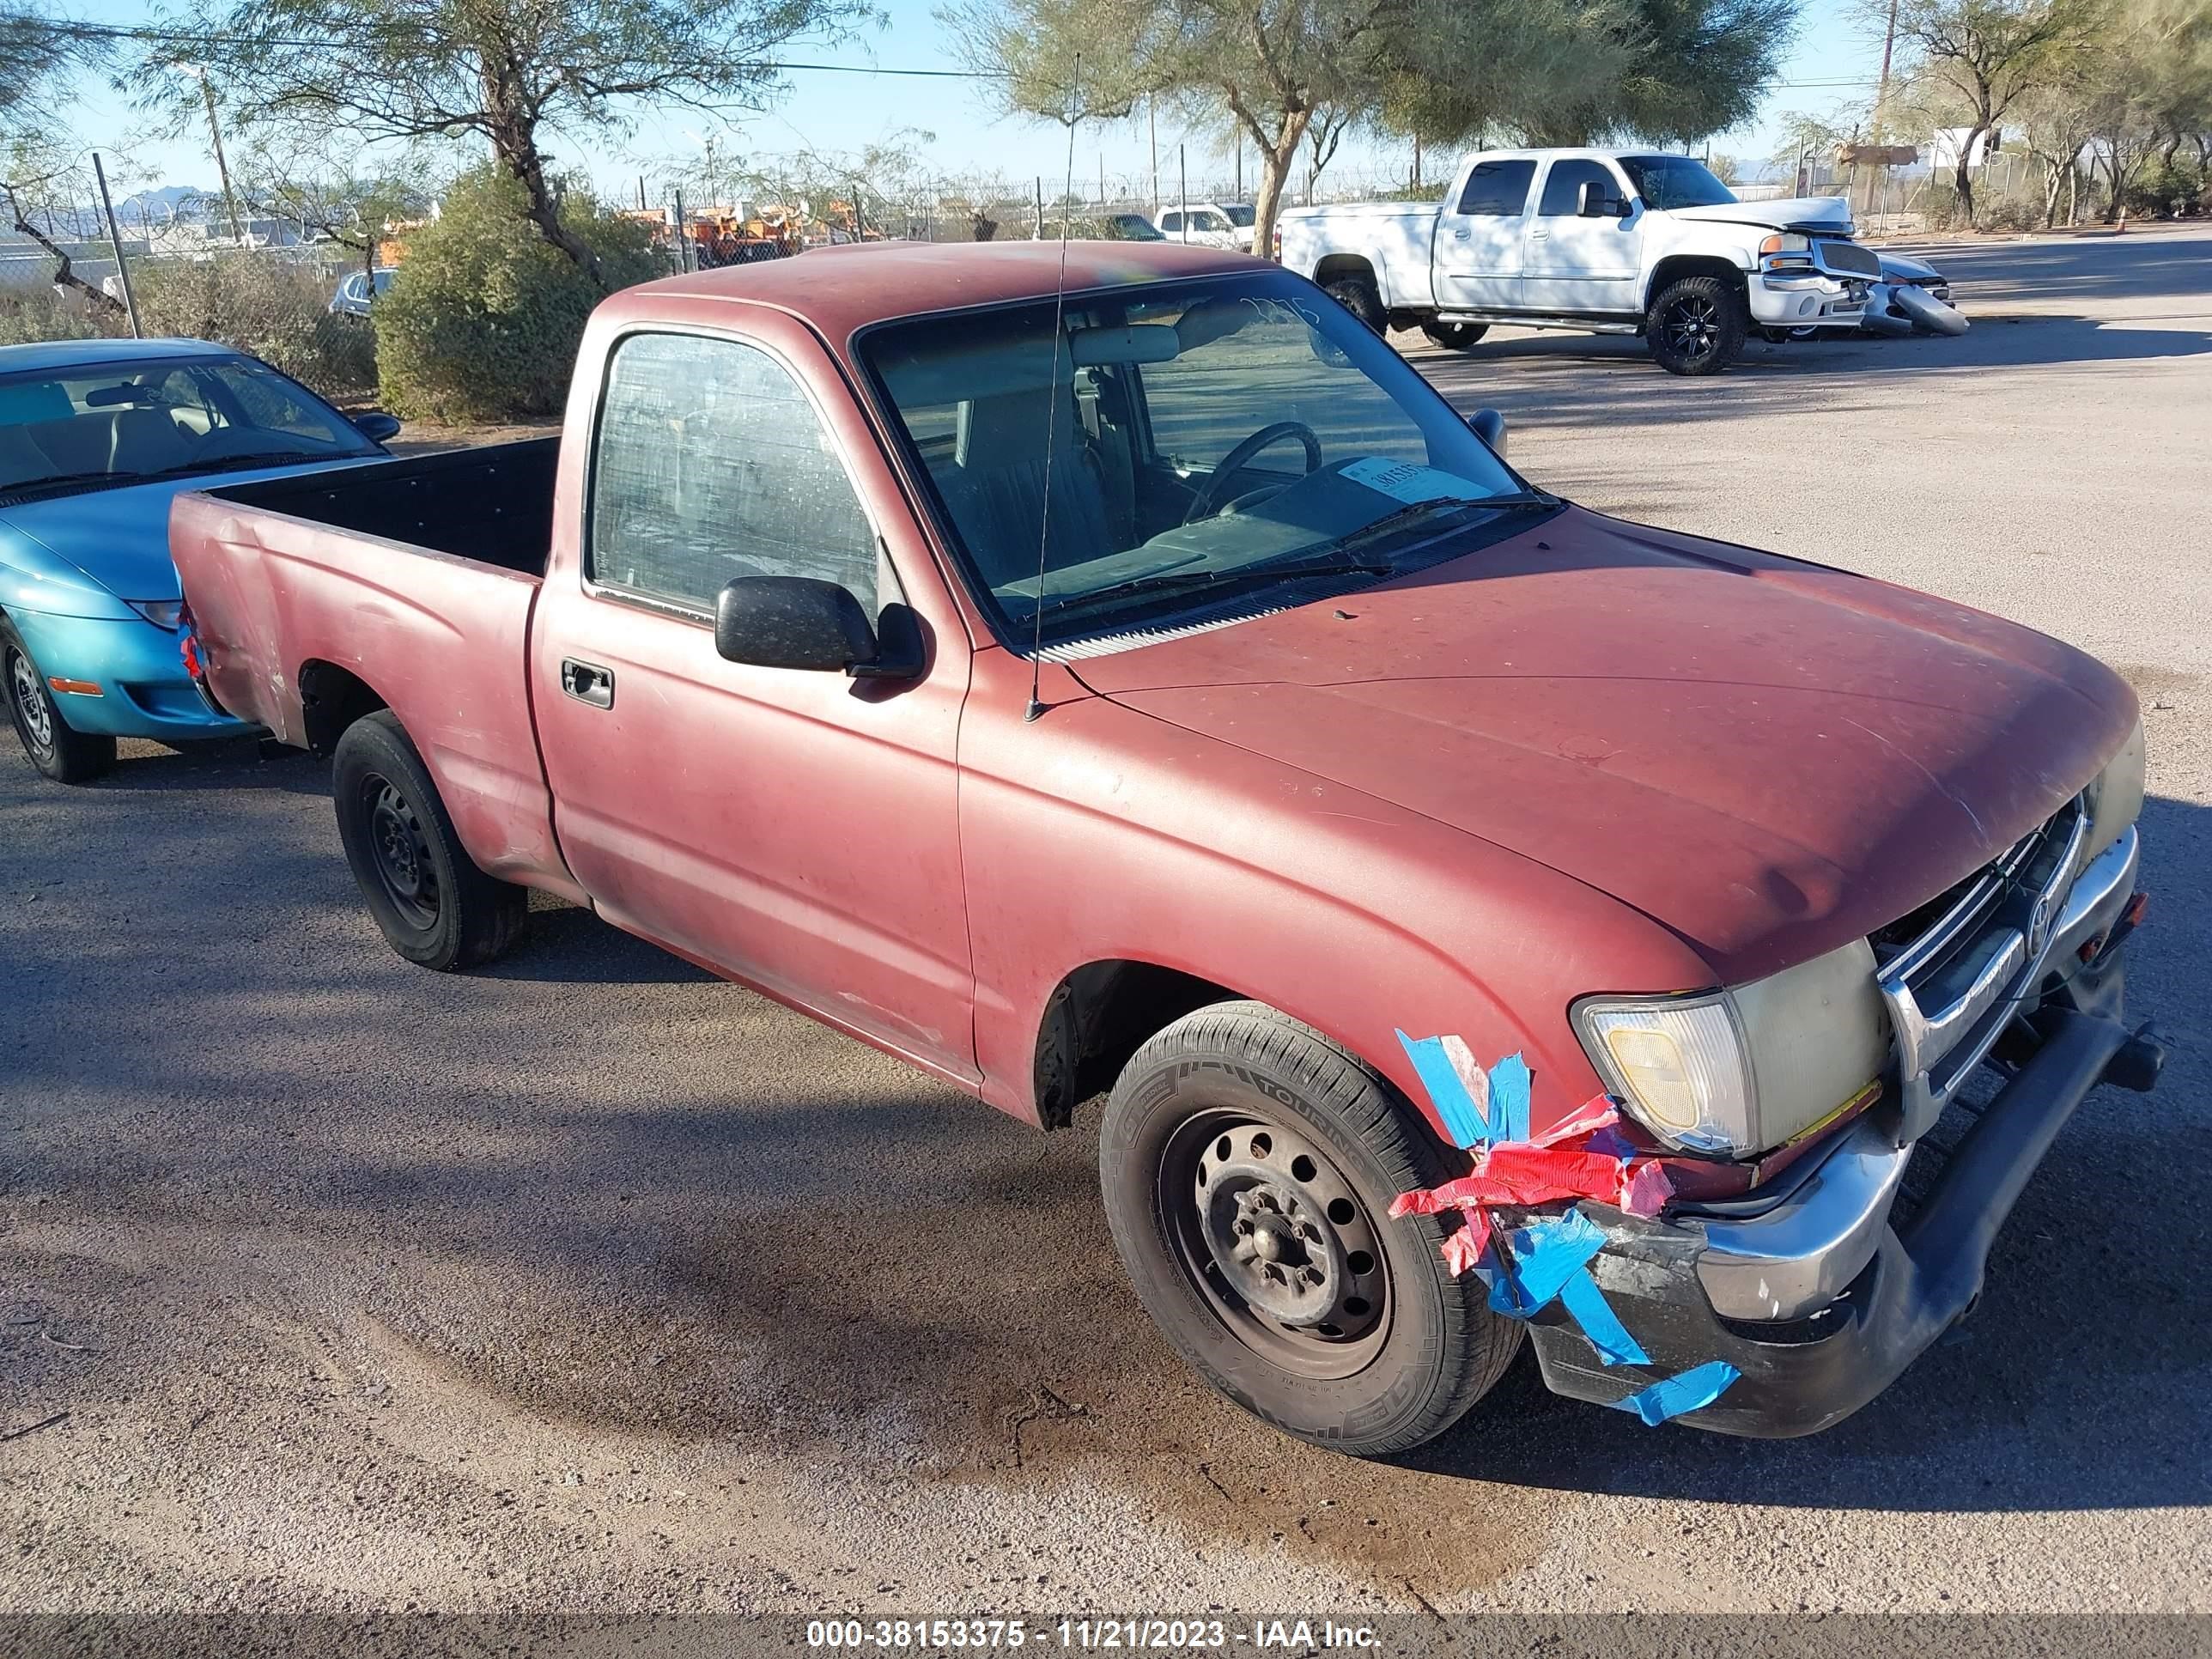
pixel 1207 444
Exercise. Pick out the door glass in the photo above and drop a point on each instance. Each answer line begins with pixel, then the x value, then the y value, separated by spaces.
pixel 1497 188
pixel 711 464
pixel 1563 187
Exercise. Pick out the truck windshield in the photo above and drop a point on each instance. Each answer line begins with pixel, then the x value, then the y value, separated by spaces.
pixel 1667 182
pixel 120 423
pixel 1176 451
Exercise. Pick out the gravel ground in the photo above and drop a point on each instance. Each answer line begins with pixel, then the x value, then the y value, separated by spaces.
pixel 589 1282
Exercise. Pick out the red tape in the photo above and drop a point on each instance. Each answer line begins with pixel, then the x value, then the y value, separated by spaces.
pixel 1539 1171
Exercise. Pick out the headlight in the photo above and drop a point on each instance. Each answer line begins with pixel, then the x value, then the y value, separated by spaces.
pixel 1787 242
pixel 1740 1071
pixel 2116 798
pixel 162 613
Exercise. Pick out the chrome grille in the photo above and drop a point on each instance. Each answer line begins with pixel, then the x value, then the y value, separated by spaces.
pixel 1848 259
pixel 1955 971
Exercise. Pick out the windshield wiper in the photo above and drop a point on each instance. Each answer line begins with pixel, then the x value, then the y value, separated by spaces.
pixel 1414 511
pixel 60 480
pixel 1261 571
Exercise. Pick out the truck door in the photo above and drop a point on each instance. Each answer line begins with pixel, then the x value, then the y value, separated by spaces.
pixel 795 828
pixel 1479 237
pixel 1577 266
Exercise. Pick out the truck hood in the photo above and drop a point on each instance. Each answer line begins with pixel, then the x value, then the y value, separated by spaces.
pixel 1827 213
pixel 1770 758
pixel 119 537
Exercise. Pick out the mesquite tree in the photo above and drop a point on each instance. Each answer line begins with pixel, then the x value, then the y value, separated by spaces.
pixel 505 72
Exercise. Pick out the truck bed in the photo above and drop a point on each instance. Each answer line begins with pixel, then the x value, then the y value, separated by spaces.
pixel 493 504
pixel 408 583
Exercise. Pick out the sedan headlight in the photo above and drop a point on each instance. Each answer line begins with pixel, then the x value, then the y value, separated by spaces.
pixel 2116 798
pixel 1740 1071
pixel 162 613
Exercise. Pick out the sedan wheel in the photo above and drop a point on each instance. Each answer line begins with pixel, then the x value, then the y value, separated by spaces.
pixel 58 749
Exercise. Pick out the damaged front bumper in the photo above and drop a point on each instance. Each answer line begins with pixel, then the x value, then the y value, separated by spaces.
pixel 1820 1290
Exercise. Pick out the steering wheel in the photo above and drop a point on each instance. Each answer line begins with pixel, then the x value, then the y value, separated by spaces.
pixel 1208 501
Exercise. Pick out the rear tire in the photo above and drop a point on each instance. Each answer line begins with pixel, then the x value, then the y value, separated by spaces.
pixel 49 743
pixel 435 906
pixel 1455 337
pixel 1245 1155
pixel 1696 325
pixel 1357 296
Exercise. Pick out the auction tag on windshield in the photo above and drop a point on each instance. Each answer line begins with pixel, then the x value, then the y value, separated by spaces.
pixel 1410 482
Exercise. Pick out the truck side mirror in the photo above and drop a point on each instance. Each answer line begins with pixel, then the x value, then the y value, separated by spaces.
pixel 793 621
pixel 1597 202
pixel 1489 426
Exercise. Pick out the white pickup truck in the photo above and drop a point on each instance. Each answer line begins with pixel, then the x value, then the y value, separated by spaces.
pixel 1614 241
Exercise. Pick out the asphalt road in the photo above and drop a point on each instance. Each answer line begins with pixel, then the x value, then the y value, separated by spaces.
pixel 590 1282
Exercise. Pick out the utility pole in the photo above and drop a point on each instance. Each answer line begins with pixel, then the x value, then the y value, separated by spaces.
pixel 115 241
pixel 1240 164
pixel 215 139
pixel 1152 124
pixel 1183 194
pixel 1416 160
pixel 1881 92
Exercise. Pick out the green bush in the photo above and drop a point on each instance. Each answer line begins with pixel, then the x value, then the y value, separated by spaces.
pixel 275 309
pixel 483 320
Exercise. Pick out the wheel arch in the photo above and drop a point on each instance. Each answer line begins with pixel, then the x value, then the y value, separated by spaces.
pixel 1676 266
pixel 1335 267
pixel 1100 1014
pixel 331 698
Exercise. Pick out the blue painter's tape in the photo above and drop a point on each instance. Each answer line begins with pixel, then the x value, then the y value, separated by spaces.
pixel 1508 1099
pixel 1686 1391
pixel 1462 1122
pixel 1540 1258
pixel 1581 1297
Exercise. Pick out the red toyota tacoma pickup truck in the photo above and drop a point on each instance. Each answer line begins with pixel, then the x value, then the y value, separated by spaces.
pixel 1129 676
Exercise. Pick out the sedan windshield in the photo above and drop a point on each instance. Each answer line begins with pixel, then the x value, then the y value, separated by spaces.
pixel 1176 451
pixel 120 423
pixel 1668 182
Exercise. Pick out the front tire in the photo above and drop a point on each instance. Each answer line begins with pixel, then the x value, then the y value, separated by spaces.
pixel 1696 325
pixel 1455 336
pixel 49 743
pixel 1357 296
pixel 1248 1164
pixel 434 906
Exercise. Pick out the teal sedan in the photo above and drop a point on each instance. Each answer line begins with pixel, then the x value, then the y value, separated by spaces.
pixel 96 437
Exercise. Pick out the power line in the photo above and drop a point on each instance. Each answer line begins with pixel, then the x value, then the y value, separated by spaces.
pixel 181 37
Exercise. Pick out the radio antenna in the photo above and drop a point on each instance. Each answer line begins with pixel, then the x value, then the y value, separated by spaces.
pixel 1052 405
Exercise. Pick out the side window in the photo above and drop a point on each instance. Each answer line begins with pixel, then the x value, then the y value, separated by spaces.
pixel 1172 220
pixel 1563 187
pixel 1497 188
pixel 711 464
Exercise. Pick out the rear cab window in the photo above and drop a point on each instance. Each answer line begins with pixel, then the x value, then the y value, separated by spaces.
pixel 1497 190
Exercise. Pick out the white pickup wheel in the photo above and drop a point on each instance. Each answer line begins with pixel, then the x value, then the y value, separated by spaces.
pixel 1696 325
pixel 1248 1165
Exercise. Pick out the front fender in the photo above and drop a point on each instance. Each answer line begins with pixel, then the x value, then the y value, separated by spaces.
pixel 1099 834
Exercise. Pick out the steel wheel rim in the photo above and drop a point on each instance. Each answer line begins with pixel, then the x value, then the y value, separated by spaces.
pixel 400 851
pixel 1275 1241
pixel 30 697
pixel 1693 326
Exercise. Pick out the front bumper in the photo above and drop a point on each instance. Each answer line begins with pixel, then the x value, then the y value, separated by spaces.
pixel 143 690
pixel 1820 1292
pixel 1807 299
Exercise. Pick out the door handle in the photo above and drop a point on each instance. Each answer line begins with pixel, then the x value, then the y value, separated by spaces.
pixel 1458 236
pixel 587 682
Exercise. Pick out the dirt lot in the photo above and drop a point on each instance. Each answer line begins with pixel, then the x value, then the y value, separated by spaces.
pixel 590 1282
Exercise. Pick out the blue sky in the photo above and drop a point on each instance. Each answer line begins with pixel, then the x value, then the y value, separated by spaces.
pixel 846 111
